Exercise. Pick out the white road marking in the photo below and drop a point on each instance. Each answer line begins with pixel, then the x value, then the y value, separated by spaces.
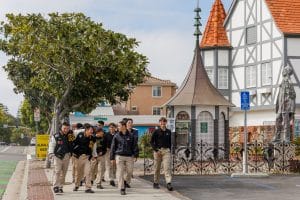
pixel 5 149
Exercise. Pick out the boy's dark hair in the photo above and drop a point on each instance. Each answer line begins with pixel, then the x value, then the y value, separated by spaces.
pixel 101 122
pixel 79 125
pixel 129 119
pixel 125 119
pixel 163 119
pixel 123 122
pixel 87 126
pixel 65 124
pixel 112 124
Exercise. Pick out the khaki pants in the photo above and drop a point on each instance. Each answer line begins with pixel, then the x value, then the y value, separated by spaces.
pixel 73 168
pixel 128 176
pixel 162 156
pixel 101 168
pixel 110 169
pixel 83 169
pixel 60 170
pixel 123 163
pixel 94 169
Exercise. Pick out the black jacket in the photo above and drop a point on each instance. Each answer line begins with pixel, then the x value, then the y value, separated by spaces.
pixel 83 145
pixel 109 137
pixel 124 145
pixel 101 145
pixel 63 144
pixel 161 139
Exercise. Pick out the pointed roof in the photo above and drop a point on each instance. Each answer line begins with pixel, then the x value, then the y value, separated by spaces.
pixel 286 14
pixel 197 89
pixel 215 34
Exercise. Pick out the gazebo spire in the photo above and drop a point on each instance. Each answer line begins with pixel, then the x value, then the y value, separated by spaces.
pixel 197 22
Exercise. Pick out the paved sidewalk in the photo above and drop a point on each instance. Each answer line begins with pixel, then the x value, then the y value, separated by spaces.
pixel 141 190
pixel 38 186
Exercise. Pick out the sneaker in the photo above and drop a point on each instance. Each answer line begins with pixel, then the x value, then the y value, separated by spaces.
pixel 89 191
pixel 61 190
pixel 169 187
pixel 123 192
pixel 126 185
pixel 99 186
pixel 156 186
pixel 112 183
pixel 75 189
pixel 56 190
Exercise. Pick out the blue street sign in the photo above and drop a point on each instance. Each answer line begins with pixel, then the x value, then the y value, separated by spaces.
pixel 245 100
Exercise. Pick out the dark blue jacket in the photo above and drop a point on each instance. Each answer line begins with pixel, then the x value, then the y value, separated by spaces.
pixel 124 145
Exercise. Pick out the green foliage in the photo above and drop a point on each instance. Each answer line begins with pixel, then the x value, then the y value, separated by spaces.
pixel 21 136
pixel 9 120
pixel 69 60
pixel 145 146
pixel 27 117
pixel 297 143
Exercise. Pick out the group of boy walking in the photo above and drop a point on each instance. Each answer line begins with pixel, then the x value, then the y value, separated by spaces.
pixel 94 152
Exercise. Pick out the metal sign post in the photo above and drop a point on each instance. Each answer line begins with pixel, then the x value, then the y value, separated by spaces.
pixel 245 105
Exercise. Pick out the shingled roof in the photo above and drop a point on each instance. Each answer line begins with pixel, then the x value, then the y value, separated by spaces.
pixel 286 14
pixel 150 80
pixel 215 34
pixel 197 89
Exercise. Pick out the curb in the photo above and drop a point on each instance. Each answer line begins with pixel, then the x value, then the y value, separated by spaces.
pixel 173 193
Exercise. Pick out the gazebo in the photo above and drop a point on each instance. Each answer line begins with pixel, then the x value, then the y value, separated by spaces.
pixel 200 111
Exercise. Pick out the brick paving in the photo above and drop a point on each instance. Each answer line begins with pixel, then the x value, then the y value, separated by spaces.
pixel 38 186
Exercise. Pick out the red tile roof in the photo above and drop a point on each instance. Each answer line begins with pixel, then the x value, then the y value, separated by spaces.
pixel 286 14
pixel 150 80
pixel 215 34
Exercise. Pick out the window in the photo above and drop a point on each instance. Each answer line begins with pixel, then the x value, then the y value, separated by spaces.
pixel 156 110
pixel 156 91
pixel 203 127
pixel 133 108
pixel 210 74
pixel 266 74
pixel 251 34
pixel 251 76
pixel 223 78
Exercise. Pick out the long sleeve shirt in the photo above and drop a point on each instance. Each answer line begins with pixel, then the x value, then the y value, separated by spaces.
pixel 161 139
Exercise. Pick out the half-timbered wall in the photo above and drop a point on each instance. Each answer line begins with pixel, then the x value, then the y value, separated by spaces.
pixel 257 57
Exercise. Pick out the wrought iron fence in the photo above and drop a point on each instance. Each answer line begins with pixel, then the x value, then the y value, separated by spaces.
pixel 205 159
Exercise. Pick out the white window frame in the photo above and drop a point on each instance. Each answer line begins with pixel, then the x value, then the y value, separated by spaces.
pixel 134 108
pixel 253 30
pixel 223 78
pixel 266 74
pixel 154 94
pixel 251 76
pixel 210 75
pixel 156 107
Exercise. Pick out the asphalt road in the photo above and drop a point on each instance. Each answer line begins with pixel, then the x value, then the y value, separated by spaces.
pixel 12 153
pixel 283 187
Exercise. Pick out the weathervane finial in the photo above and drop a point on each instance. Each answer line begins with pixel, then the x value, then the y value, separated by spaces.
pixel 197 22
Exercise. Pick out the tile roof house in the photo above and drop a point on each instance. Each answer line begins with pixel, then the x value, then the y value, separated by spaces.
pixel 247 48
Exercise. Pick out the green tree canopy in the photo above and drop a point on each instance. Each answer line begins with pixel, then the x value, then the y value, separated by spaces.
pixel 70 60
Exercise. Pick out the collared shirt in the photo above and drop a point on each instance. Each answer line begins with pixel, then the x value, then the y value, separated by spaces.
pixel 161 139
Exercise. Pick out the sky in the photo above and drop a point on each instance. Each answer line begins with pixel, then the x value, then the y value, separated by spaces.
pixel 164 29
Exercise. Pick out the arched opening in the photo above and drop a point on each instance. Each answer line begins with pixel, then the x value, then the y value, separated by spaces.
pixel 183 124
pixel 205 128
